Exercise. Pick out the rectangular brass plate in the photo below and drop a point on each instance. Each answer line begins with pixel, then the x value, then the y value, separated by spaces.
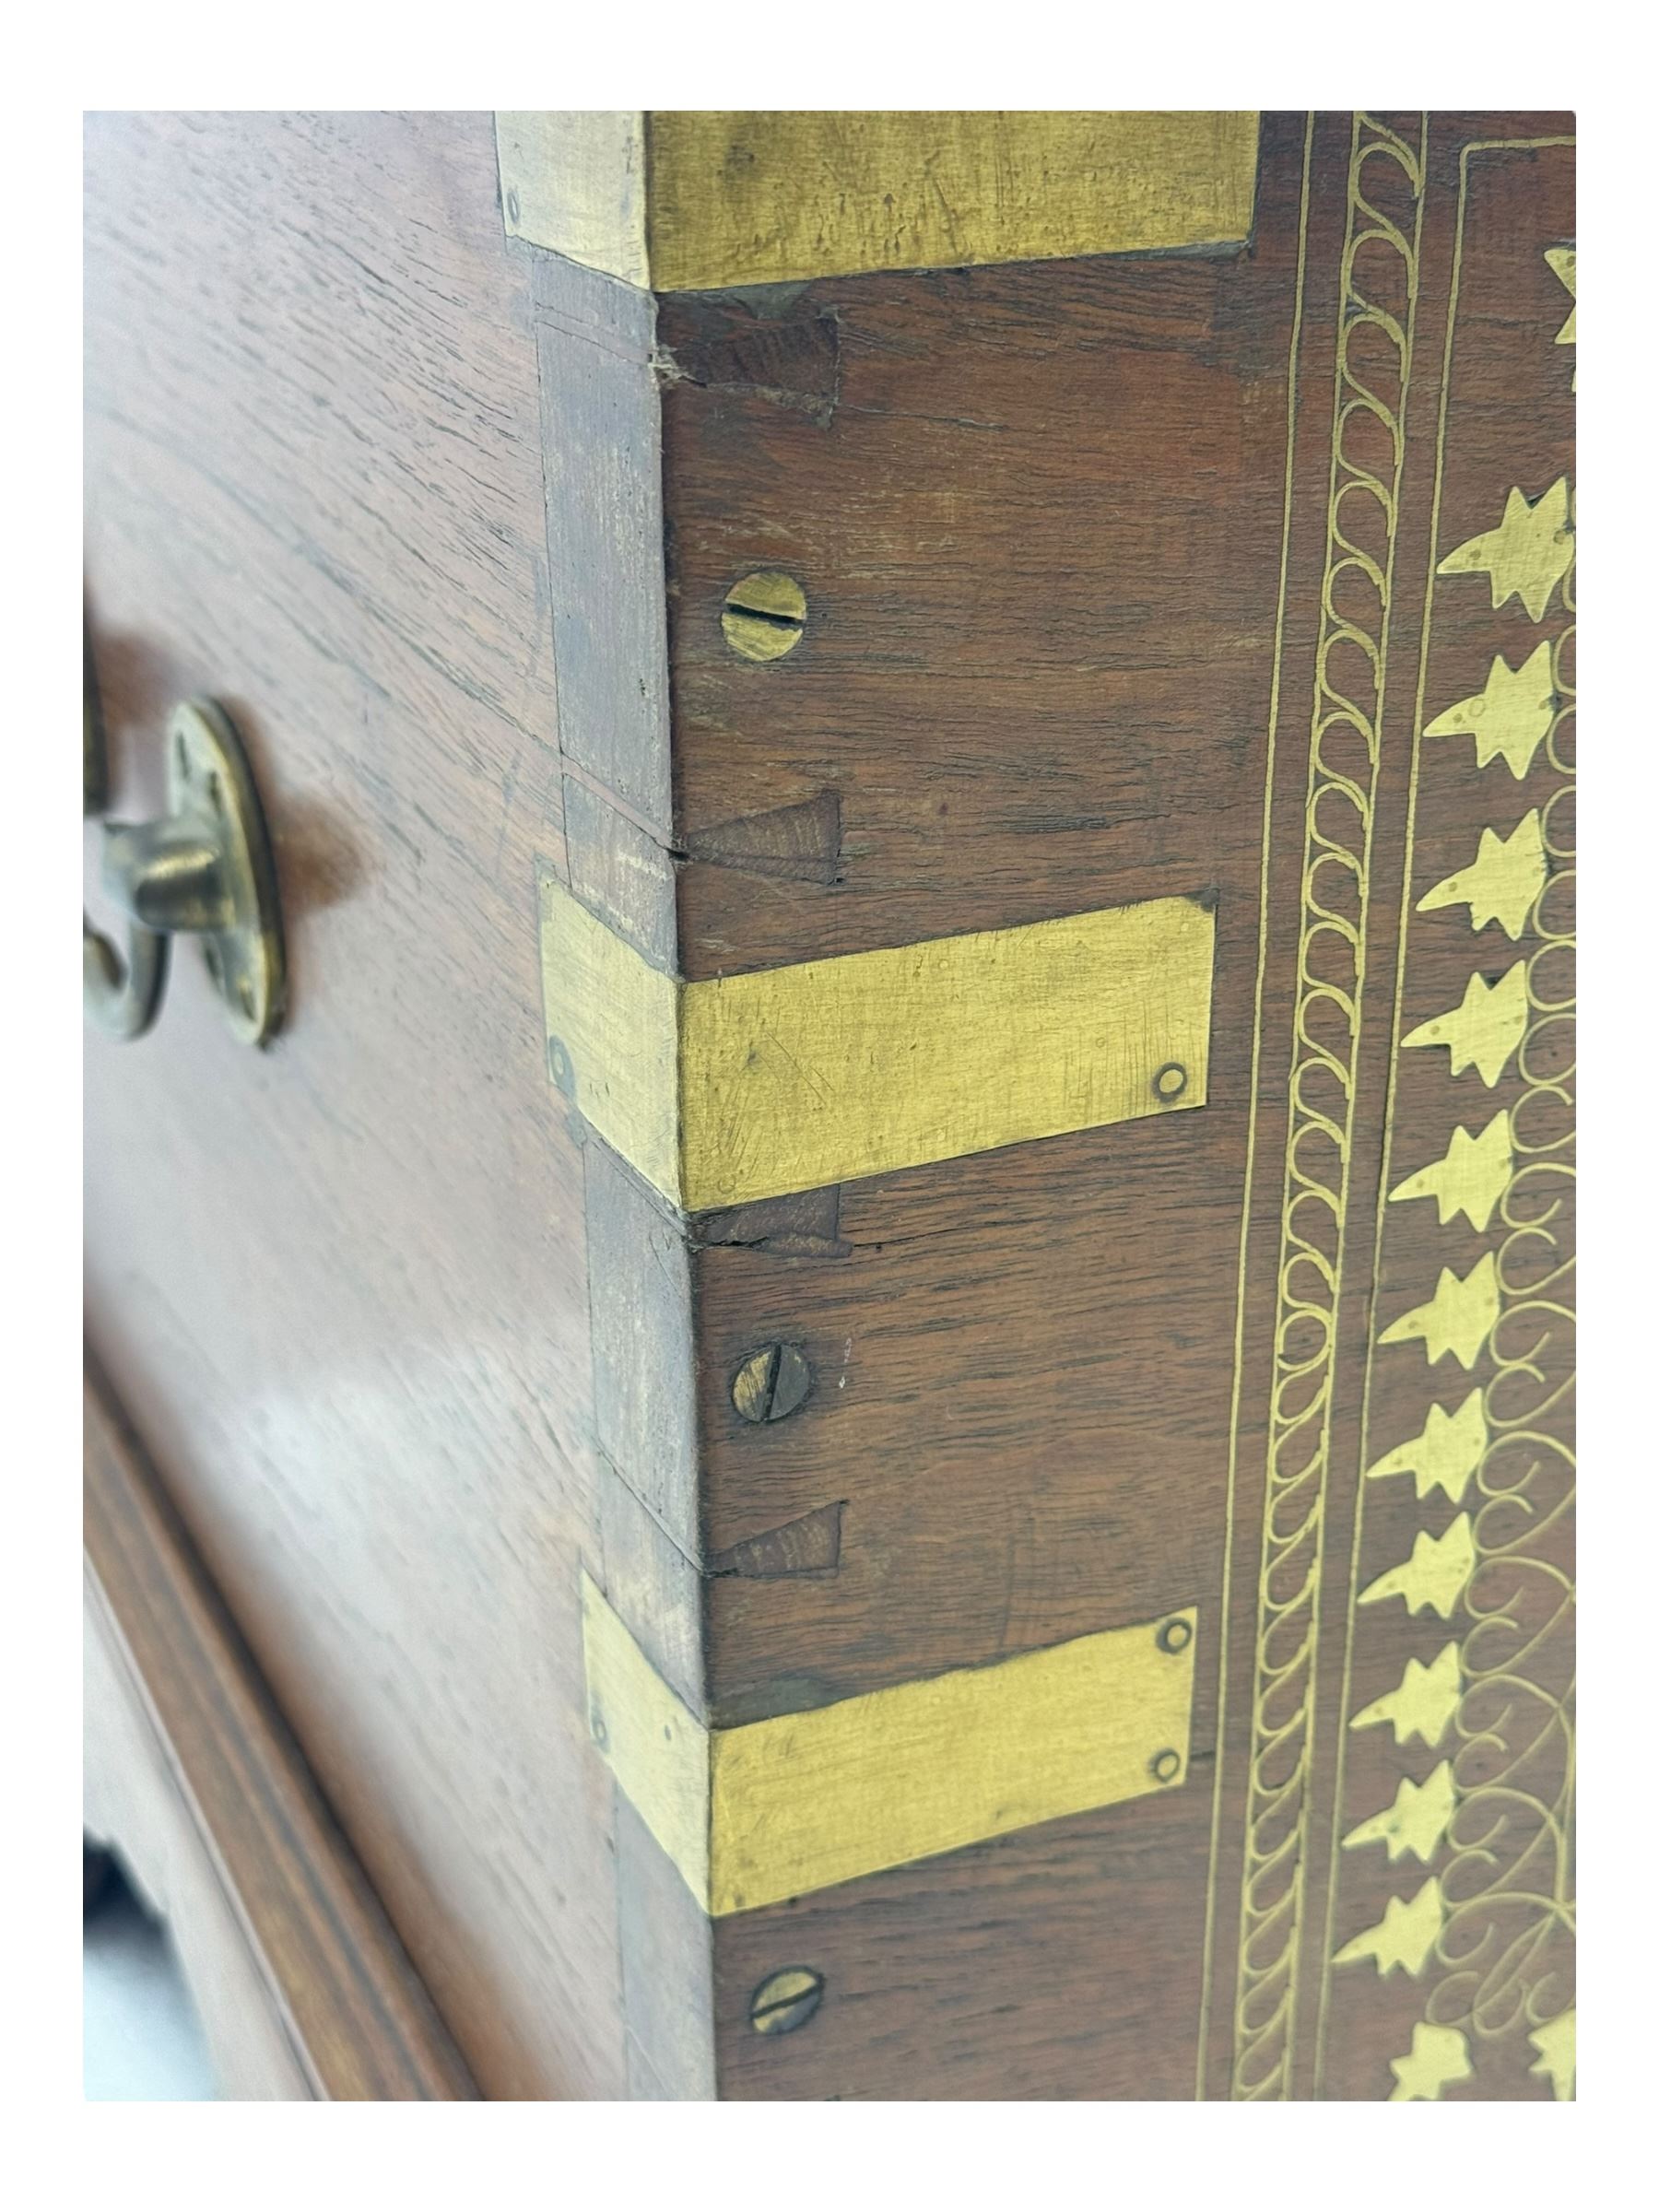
pixel 790 1078
pixel 781 1807
pixel 703 199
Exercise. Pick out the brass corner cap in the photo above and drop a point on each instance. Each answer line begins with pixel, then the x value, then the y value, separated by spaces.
pixel 705 200
pixel 779 1808
pixel 791 1079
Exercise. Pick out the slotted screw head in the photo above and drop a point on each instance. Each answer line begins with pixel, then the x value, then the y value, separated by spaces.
pixel 771 1383
pixel 785 2000
pixel 764 616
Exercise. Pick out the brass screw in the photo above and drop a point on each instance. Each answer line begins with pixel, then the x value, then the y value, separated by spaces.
pixel 771 1383
pixel 1168 1082
pixel 786 2000
pixel 560 1068
pixel 1165 1765
pixel 764 616
pixel 1175 1635
pixel 512 209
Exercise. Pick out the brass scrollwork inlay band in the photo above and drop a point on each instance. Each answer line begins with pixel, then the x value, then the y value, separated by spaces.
pixel 1376 329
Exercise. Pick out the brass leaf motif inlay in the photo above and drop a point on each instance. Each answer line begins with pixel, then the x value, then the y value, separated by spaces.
pixel 1526 556
pixel 1484 1028
pixel 1501 884
pixel 1469 1178
pixel 1414 1822
pixel 1563 261
pixel 1457 1319
pixel 1509 718
pixel 1444 1453
pixel 1405 1935
pixel 1424 1702
pixel 1432 1579
pixel 1556 2046
pixel 1438 2057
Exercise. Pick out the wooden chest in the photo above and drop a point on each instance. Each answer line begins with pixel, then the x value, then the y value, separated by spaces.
pixel 870 1394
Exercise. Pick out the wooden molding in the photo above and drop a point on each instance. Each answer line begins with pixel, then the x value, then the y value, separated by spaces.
pixel 303 1989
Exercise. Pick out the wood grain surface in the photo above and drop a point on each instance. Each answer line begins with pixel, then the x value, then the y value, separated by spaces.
pixel 340 1285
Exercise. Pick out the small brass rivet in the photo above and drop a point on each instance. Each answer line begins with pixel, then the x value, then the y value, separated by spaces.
pixel 601 1734
pixel 1165 1765
pixel 1169 1082
pixel 786 2000
pixel 764 616
pixel 771 1383
pixel 1175 1635
pixel 559 1067
pixel 512 209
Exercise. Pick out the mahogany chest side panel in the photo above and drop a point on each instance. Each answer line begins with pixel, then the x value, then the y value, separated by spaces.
pixel 1121 580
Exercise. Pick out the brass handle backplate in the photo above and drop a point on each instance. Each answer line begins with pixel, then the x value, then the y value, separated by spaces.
pixel 204 869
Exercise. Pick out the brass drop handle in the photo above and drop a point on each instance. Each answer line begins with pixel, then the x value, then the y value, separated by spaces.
pixel 204 869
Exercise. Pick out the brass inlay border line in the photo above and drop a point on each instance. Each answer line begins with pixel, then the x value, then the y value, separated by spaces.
pixel 1362 506
pixel 779 1808
pixel 1291 374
